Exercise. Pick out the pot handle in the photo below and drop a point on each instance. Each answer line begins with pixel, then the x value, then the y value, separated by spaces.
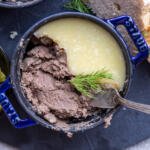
pixel 135 35
pixel 9 110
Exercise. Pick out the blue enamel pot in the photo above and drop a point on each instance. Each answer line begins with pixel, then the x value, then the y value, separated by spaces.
pixel 13 81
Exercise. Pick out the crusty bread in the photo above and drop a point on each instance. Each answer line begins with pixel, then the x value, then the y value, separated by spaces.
pixel 138 9
pixel 146 15
pixel 114 8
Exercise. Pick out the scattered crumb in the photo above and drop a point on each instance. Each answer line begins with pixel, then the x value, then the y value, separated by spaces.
pixel 13 34
pixel 70 135
pixel 148 59
pixel 107 121
pixel 21 42
pixel 19 3
pixel 135 52
pixel 124 108
pixel 51 118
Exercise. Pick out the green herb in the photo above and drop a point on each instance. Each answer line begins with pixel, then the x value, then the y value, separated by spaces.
pixel 86 84
pixel 78 5
pixel 145 33
pixel 2 76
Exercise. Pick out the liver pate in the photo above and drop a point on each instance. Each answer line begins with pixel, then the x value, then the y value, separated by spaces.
pixel 45 83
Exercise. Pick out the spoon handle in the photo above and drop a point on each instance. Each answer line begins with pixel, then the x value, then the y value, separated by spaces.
pixel 136 106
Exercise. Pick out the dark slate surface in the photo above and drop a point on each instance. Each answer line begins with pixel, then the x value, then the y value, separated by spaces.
pixel 128 127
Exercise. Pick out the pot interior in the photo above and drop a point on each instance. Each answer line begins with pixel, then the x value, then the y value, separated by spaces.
pixel 73 124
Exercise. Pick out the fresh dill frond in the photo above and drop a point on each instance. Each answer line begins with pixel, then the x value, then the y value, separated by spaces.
pixel 78 5
pixel 86 84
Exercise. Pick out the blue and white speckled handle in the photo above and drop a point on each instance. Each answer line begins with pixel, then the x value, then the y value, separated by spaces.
pixel 135 35
pixel 9 110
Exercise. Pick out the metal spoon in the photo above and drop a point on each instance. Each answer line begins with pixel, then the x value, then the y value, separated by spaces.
pixel 110 98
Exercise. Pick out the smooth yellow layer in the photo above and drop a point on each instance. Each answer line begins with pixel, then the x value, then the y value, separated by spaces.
pixel 89 47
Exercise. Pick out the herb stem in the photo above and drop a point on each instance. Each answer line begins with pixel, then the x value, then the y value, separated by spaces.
pixel 86 84
pixel 78 5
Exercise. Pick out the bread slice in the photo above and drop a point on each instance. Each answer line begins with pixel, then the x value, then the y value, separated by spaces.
pixel 146 14
pixel 138 9
pixel 114 8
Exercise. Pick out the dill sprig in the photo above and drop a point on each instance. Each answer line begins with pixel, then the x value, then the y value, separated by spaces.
pixel 86 84
pixel 78 5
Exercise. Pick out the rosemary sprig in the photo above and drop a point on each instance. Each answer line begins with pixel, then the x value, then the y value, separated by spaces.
pixel 86 84
pixel 78 5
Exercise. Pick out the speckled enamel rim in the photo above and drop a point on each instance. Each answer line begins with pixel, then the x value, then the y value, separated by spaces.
pixel 19 5
pixel 20 50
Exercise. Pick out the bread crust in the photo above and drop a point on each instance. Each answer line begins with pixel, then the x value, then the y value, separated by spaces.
pixel 114 8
